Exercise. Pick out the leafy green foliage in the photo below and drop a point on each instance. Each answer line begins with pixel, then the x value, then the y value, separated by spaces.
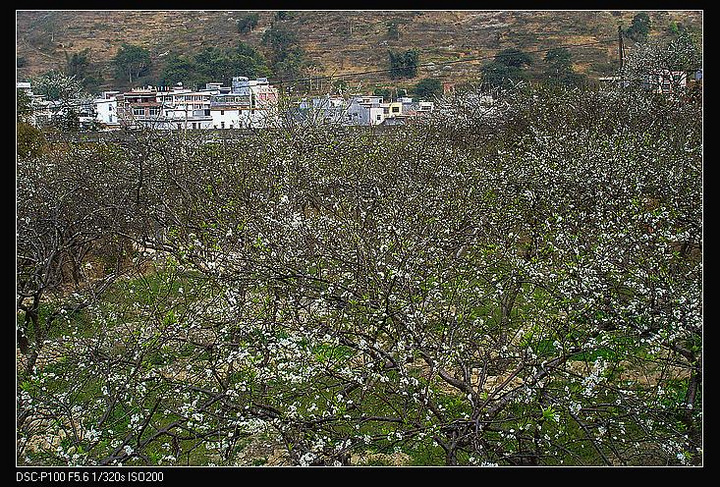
pixel 131 62
pixel 428 88
pixel 507 68
pixel 559 69
pixel 639 28
pixel 214 64
pixel 287 58
pixel 248 22
pixel 78 65
pixel 403 64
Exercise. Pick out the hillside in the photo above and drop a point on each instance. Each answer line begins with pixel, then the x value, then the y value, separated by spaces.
pixel 340 43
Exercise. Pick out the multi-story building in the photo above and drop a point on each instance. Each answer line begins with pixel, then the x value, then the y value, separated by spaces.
pixel 138 108
pixel 185 109
pixel 167 109
pixel 106 110
pixel 325 110
pixel 248 104
pixel 392 109
pixel 366 110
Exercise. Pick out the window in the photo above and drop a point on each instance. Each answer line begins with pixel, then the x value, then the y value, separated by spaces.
pixel 139 112
pixel 222 112
pixel 396 109
pixel 378 117
pixel 154 112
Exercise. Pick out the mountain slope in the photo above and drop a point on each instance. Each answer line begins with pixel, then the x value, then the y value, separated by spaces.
pixel 340 43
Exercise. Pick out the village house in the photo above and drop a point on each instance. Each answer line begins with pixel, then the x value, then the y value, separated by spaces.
pixel 138 108
pixel 666 81
pixel 366 110
pixel 106 110
pixel 184 109
pixel 325 110
pixel 248 104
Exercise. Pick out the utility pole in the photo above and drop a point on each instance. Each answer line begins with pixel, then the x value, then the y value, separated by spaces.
pixel 621 48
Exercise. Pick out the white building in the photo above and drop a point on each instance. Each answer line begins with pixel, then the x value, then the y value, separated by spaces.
pixel 26 87
pixel 249 104
pixel 325 110
pixel 174 109
pixel 183 109
pixel 366 110
pixel 106 110
pixel 665 81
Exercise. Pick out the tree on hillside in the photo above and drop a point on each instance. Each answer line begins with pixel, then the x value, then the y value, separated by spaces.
pixel 78 65
pixel 248 61
pixel 403 64
pixel 286 56
pixel 386 93
pixel 248 22
pixel 640 27
pixel 513 58
pixel 428 88
pixel 393 31
pixel 281 15
pixel 214 64
pixel 178 68
pixel 131 62
pixel 559 69
pixel 507 67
